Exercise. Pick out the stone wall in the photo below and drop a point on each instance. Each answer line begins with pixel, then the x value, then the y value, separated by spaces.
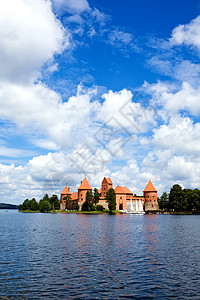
pixel 151 206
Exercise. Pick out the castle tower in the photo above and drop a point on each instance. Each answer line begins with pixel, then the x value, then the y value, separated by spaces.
pixel 105 186
pixel 150 195
pixel 82 190
pixel 65 192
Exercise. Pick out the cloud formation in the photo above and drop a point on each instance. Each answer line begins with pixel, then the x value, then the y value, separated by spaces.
pixel 30 36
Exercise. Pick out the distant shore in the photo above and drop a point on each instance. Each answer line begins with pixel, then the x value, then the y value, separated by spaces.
pixel 8 206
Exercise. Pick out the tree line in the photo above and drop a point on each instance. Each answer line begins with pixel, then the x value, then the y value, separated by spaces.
pixel 44 205
pixel 47 203
pixel 180 200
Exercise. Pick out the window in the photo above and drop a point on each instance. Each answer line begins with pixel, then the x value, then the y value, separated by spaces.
pixel 81 195
pixel 120 206
pixel 153 196
pixel 120 197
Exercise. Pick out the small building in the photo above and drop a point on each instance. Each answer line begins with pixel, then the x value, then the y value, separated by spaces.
pixel 123 195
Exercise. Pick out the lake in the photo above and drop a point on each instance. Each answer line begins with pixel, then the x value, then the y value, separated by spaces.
pixel 75 256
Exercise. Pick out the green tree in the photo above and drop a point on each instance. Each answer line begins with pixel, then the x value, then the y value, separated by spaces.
pixel 196 200
pixel 54 202
pixel 100 207
pixel 45 197
pixel 44 203
pixel 177 200
pixel 68 200
pixel 25 205
pixel 193 199
pixel 96 196
pixel 88 205
pixel 45 206
pixel 34 205
pixel 76 207
pixel 110 199
pixel 163 201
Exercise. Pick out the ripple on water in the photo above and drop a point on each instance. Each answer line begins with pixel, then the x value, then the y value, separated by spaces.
pixel 99 256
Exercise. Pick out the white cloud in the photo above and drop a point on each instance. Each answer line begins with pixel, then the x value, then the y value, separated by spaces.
pixel 30 36
pixel 73 6
pixel 188 34
pixel 119 111
pixel 12 152
pixel 180 169
pixel 179 136
pixel 175 98
pixel 39 108
pixel 124 41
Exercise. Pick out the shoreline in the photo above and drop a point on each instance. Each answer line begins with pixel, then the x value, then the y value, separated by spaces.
pixel 107 212
pixel 73 212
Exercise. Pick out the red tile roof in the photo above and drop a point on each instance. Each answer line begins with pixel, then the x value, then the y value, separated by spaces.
pixel 85 185
pixel 100 191
pixel 122 190
pixel 74 196
pixel 66 191
pixel 108 180
pixel 150 187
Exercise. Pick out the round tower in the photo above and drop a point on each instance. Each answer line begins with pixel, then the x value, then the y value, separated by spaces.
pixel 65 192
pixel 150 195
pixel 82 190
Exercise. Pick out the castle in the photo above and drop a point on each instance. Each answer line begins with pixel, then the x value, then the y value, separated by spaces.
pixel 123 196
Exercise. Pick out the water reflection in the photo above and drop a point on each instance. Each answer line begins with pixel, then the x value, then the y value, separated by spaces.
pixel 98 256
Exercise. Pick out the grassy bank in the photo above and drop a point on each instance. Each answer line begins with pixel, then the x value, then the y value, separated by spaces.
pixel 96 212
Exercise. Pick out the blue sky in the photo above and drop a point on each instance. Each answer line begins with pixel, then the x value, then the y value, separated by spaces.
pixel 98 88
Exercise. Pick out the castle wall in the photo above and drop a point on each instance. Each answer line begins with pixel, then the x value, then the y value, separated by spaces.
pixel 62 205
pixel 103 203
pixel 149 206
pixel 121 201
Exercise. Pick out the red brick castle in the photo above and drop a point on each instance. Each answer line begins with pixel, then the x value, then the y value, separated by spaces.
pixel 123 196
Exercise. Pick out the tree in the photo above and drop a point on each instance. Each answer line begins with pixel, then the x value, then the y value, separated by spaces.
pixel 45 206
pixel 34 205
pixel 76 207
pixel 163 201
pixel 88 205
pixel 96 196
pixel 25 205
pixel 177 201
pixel 192 197
pixel 46 197
pixel 100 207
pixel 54 202
pixel 68 200
pixel 110 199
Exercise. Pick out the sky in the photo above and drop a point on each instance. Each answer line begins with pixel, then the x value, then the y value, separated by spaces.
pixel 98 88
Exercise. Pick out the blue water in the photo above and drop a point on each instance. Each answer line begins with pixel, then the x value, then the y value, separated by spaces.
pixel 71 256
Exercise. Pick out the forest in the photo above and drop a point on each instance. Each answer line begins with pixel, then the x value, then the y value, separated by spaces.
pixel 180 200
